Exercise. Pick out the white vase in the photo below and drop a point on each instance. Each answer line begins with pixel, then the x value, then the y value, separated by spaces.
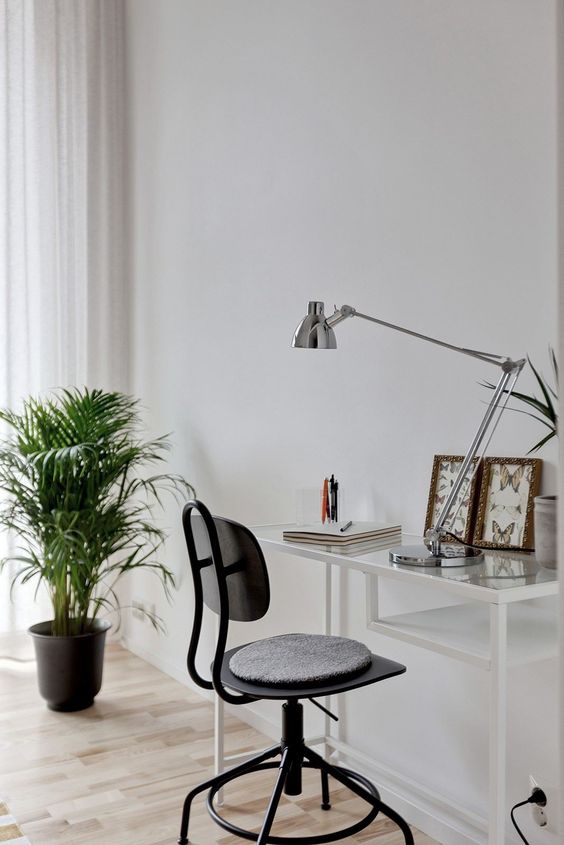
pixel 545 531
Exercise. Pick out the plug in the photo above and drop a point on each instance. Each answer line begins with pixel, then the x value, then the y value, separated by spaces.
pixel 537 799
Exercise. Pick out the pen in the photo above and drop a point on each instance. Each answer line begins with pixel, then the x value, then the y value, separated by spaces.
pixel 348 525
pixel 332 515
pixel 336 514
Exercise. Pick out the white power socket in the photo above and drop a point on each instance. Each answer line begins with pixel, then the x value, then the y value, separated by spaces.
pixel 538 813
pixel 137 610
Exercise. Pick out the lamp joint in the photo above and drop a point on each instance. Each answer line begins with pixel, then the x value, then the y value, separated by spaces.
pixel 510 366
pixel 340 314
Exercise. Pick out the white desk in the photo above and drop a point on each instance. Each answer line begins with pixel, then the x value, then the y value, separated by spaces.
pixel 492 629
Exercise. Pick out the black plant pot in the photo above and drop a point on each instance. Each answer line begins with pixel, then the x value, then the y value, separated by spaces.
pixel 69 669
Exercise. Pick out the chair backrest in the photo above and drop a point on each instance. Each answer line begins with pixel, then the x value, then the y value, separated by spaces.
pixel 230 577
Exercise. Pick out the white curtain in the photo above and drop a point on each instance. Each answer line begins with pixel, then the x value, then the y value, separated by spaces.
pixel 63 308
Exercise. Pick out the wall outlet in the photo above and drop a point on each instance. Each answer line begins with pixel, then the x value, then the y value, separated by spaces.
pixel 538 814
pixel 137 610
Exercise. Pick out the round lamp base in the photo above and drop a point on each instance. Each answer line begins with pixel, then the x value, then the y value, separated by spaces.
pixel 452 554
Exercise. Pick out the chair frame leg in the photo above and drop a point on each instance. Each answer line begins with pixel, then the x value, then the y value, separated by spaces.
pixel 219 781
pixel 285 765
pixel 343 777
pixel 325 795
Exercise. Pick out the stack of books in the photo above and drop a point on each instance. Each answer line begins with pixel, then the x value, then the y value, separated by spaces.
pixel 357 536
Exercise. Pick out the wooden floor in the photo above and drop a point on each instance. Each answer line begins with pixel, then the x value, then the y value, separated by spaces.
pixel 117 773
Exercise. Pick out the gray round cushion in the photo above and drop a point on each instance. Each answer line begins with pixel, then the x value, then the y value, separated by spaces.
pixel 297 659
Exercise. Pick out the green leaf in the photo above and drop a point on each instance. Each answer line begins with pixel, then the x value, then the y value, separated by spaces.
pixel 541 443
pixel 544 390
pixel 546 412
pixel 78 494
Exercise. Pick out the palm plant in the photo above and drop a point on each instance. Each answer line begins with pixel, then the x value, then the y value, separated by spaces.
pixel 544 410
pixel 76 493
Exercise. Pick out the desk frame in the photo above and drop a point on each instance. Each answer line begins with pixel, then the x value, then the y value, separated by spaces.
pixel 494 662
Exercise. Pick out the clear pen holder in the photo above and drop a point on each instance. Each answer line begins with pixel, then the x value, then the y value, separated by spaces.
pixel 309 502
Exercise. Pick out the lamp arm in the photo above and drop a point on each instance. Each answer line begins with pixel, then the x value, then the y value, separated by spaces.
pixel 503 387
pixel 509 375
pixel 346 311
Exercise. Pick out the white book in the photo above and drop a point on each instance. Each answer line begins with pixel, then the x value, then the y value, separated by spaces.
pixel 357 547
pixel 331 532
pixel 360 548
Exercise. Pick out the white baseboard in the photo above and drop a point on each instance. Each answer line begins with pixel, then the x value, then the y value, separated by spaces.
pixel 436 817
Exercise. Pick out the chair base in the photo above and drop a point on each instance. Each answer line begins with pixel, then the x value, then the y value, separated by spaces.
pixel 334 836
pixel 294 756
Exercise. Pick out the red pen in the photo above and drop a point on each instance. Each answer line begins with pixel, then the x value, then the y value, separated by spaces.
pixel 325 501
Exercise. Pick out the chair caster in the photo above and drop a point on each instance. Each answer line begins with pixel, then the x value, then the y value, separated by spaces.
pixel 182 840
pixel 326 806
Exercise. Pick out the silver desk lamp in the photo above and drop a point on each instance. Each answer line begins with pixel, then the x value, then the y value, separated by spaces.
pixel 316 332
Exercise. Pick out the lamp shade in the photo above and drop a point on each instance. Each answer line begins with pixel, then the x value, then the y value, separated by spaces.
pixel 313 331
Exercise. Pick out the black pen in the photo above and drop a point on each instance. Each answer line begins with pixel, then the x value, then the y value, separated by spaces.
pixel 332 497
pixel 348 525
pixel 336 501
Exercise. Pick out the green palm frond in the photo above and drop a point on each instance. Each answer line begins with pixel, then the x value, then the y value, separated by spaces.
pixel 546 407
pixel 79 498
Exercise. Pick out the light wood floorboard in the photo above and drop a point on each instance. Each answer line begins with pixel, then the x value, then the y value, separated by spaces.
pixel 118 772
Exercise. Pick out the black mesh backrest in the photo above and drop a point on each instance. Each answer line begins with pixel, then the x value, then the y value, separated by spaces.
pixel 241 561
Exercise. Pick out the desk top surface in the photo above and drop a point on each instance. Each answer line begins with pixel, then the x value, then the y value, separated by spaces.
pixel 503 576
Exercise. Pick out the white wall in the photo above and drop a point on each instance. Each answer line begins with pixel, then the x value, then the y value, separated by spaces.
pixel 395 155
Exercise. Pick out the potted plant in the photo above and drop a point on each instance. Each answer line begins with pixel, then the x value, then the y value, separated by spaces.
pixel 544 410
pixel 77 496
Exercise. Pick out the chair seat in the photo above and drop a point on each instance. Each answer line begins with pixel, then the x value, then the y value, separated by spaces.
pixel 296 659
pixel 275 682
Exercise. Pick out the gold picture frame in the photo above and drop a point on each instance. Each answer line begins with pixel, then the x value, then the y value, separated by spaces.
pixel 505 505
pixel 445 471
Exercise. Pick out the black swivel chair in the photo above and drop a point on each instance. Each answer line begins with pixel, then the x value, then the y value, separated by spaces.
pixel 231 578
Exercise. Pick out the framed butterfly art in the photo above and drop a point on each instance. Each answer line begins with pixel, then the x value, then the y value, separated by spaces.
pixel 505 507
pixel 461 517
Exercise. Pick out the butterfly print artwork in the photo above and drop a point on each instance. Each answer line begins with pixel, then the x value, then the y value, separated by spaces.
pixel 444 476
pixel 513 510
pixel 514 478
pixel 505 508
pixel 502 537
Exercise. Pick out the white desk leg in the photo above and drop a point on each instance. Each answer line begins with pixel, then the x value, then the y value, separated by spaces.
pixel 498 723
pixel 326 621
pixel 372 598
pixel 327 627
